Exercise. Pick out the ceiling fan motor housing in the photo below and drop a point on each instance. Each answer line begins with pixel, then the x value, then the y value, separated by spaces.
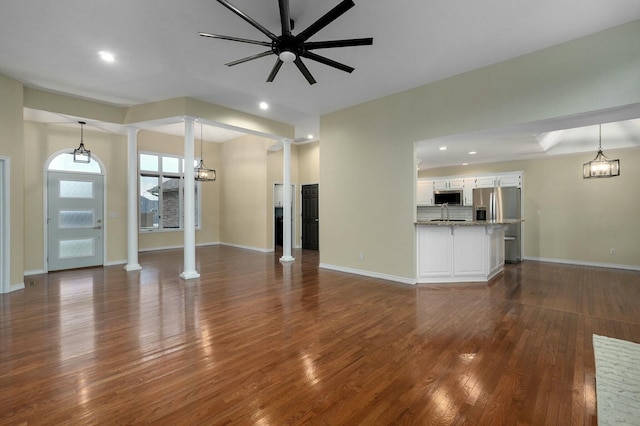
pixel 287 48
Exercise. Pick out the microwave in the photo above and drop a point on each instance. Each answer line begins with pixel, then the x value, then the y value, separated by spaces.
pixel 452 198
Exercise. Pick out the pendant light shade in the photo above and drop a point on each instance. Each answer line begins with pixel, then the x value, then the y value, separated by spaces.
pixel 202 173
pixel 601 166
pixel 81 154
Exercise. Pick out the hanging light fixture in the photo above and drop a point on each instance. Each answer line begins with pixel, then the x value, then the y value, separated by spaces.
pixel 81 154
pixel 600 166
pixel 202 173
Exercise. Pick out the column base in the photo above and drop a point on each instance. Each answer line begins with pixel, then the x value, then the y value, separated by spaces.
pixel 287 259
pixel 189 275
pixel 132 267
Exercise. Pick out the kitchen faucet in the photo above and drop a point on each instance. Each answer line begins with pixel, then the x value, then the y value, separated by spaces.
pixel 442 207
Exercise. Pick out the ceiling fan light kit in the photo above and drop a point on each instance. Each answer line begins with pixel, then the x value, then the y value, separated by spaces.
pixel 292 48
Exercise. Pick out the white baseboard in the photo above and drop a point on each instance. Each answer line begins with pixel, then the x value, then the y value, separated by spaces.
pixel 581 263
pixel 34 272
pixel 16 287
pixel 262 250
pixel 141 250
pixel 403 280
pixel 115 262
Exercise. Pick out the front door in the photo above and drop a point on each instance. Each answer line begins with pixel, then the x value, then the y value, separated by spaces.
pixel 310 222
pixel 74 220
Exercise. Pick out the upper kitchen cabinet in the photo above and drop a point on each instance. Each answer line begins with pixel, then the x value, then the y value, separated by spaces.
pixel 467 192
pixel 512 179
pixel 424 195
pixel 448 184
pixel 509 180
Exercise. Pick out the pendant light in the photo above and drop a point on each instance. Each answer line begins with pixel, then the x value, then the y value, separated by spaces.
pixel 81 154
pixel 202 173
pixel 600 166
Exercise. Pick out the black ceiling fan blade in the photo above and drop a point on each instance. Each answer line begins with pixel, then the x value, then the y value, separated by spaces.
pixel 285 17
pixel 304 70
pixel 327 61
pixel 249 58
pixel 326 19
pixel 274 70
pixel 310 45
pixel 247 18
pixel 241 40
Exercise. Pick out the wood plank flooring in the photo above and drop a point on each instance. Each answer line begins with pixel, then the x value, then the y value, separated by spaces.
pixel 253 342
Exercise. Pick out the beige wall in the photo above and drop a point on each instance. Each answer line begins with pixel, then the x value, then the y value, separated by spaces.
pixel 243 194
pixel 309 163
pixel 11 146
pixel 367 161
pixel 568 218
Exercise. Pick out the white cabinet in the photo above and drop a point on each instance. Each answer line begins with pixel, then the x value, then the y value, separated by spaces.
pixel 509 180
pixel 469 251
pixel 467 191
pixel 424 195
pixel 448 184
pixel 434 251
pixel 499 180
pixel 486 182
pixel 459 253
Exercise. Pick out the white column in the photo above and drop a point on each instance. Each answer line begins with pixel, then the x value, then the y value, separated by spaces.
pixel 189 223
pixel 132 200
pixel 286 217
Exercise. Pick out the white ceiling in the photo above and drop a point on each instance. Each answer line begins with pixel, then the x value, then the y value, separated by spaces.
pixel 53 45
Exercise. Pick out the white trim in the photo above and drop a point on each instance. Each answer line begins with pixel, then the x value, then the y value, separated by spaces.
pixel 262 250
pixel 34 272
pixel 582 263
pixel 403 280
pixel 15 287
pixel 116 262
pixel 175 247
pixel 5 228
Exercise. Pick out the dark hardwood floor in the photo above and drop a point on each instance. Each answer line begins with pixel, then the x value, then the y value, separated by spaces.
pixel 253 342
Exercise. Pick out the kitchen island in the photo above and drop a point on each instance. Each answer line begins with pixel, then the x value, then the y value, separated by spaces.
pixel 460 251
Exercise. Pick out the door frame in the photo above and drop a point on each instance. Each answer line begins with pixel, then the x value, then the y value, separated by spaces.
pixel 5 228
pixel 45 204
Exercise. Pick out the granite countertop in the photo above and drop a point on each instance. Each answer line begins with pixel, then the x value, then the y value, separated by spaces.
pixel 469 222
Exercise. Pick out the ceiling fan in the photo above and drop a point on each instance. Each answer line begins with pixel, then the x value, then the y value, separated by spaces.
pixel 291 48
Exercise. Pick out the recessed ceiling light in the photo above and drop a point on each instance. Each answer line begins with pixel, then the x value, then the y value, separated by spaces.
pixel 264 105
pixel 443 148
pixel 309 136
pixel 465 164
pixel 106 56
pixel 472 152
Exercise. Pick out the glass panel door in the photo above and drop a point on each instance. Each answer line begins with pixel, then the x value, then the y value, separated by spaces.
pixel 74 220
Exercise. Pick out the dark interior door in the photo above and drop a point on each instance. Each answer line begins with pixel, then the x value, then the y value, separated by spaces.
pixel 310 223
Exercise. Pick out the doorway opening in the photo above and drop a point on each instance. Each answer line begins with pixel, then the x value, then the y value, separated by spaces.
pixel 310 217
pixel 74 213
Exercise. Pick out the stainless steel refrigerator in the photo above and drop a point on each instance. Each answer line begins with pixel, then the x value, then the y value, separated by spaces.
pixel 499 204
